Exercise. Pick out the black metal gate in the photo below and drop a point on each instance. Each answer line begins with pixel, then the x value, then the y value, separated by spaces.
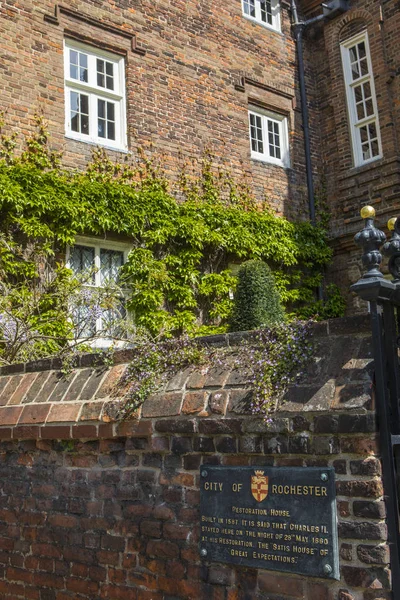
pixel 383 296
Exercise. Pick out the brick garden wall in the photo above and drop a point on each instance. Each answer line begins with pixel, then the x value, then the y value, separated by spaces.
pixel 94 508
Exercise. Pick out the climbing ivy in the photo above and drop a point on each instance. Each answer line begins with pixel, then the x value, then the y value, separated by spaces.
pixel 184 235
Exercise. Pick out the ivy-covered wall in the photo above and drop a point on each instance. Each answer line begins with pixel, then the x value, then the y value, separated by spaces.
pixel 184 238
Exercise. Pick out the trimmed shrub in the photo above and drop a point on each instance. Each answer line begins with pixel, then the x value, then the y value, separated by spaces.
pixel 257 302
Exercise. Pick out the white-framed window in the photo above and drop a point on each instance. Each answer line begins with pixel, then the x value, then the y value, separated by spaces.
pixel 269 137
pixel 98 262
pixel 94 95
pixel 265 12
pixel 361 100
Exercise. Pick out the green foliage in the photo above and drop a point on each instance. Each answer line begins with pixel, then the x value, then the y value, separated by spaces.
pixel 331 307
pixel 154 364
pixel 177 272
pixel 257 301
pixel 272 361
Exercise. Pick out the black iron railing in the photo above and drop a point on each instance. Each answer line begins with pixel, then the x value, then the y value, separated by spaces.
pixel 383 296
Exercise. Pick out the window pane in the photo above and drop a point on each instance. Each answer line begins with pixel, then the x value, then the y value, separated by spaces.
pixel 273 139
pixel 110 263
pixel 363 134
pixel 84 321
pixel 367 89
pixel 74 101
pixel 100 73
pixel 364 67
pixel 361 50
pixel 375 148
pixel 369 107
pixel 353 54
pixel 102 109
pixel 111 131
pixel 85 124
pixel 249 7
pixel 79 112
pixel 372 130
pixel 358 93
pixel 84 104
pixel 355 70
pixel 256 134
pixel 360 111
pixel 81 259
pixel 366 152
pixel 101 129
pixel 110 111
pixel 111 319
pixel 83 64
pixel 105 74
pixel 106 119
pixel 266 11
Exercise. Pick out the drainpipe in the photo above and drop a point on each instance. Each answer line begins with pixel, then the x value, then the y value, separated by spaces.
pixel 330 10
pixel 299 27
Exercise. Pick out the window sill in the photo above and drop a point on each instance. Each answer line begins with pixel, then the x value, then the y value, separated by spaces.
pixel 265 25
pixel 373 162
pixel 266 161
pixel 123 150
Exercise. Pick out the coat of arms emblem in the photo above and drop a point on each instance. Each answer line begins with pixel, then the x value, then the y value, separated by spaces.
pixel 259 486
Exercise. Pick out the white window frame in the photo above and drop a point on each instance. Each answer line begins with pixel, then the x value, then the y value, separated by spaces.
pixel 282 122
pixel 354 122
pixel 275 13
pixel 99 245
pixel 117 96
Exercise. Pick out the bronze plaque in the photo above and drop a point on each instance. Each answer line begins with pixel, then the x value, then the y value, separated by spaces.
pixel 275 518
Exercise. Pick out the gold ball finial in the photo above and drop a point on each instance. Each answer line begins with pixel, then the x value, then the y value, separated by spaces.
pixel 367 212
pixel 391 223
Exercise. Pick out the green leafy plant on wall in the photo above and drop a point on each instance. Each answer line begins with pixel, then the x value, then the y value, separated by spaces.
pixel 177 273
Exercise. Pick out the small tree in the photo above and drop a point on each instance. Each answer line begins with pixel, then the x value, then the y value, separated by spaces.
pixel 257 302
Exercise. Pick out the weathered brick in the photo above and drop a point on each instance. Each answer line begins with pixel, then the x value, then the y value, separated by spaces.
pixel 362 530
pixel 61 413
pixel 91 411
pixel 204 444
pixel 162 549
pixel 216 426
pixel 109 385
pixel 275 584
pixel 226 445
pixel 24 385
pixel 370 466
pixel 373 554
pixel 194 402
pixel 181 445
pixel 162 405
pixel 368 509
pixel 367 489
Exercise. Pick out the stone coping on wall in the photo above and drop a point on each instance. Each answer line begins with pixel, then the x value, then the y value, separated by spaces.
pixel 38 402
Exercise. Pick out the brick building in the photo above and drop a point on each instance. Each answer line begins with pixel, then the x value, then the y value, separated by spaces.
pixel 185 76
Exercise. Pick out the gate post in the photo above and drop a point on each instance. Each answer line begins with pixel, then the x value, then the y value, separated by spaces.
pixel 384 299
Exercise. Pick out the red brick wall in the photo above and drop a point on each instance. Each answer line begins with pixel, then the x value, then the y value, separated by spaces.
pixel 95 508
pixel 347 189
pixel 181 94
pixel 119 518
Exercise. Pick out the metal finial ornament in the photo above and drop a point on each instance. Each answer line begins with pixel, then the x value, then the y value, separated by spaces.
pixel 392 249
pixel 370 239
